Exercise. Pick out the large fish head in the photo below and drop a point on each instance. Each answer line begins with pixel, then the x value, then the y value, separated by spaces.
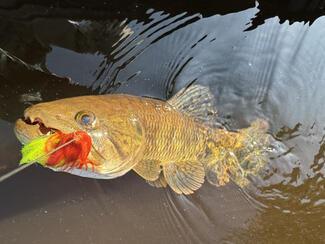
pixel 115 131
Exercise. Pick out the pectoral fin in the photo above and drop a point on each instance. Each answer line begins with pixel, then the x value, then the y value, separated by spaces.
pixel 148 169
pixel 184 177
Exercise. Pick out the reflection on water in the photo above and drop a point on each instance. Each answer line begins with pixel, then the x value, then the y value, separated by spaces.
pixel 275 70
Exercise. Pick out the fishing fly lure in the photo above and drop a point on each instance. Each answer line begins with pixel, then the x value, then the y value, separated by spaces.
pixel 59 150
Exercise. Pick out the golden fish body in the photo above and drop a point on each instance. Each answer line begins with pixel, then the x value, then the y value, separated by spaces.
pixel 170 136
pixel 169 142
pixel 173 142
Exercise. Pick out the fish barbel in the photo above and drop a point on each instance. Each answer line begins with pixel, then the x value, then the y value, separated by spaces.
pixel 174 142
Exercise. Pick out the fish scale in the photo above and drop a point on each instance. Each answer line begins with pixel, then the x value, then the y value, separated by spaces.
pixel 175 138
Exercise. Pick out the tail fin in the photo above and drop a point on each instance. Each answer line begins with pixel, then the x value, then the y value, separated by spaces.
pixel 236 155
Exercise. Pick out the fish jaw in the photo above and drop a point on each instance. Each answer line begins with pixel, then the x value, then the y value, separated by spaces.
pixel 26 133
pixel 36 123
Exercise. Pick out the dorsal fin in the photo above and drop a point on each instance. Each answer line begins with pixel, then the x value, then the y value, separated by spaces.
pixel 197 102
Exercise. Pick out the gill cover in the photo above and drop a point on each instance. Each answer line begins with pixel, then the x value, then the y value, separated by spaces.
pixel 118 144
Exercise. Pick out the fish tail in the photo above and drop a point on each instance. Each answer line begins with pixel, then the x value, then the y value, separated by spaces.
pixel 237 155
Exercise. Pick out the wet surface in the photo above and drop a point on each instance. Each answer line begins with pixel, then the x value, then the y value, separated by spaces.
pixel 260 60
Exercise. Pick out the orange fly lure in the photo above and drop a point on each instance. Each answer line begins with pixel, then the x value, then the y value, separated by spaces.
pixel 66 150
pixel 74 155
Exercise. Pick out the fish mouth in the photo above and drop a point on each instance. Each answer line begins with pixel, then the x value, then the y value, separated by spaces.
pixel 43 129
pixel 27 129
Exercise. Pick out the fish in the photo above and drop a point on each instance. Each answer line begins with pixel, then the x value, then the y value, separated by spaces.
pixel 176 143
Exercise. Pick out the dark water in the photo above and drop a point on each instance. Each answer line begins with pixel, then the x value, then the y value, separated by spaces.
pixel 259 59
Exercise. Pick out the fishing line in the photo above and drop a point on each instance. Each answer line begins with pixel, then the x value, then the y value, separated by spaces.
pixel 15 171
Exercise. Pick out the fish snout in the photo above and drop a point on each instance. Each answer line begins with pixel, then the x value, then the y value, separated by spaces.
pixel 25 132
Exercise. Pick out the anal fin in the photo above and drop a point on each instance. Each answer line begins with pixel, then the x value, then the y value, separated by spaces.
pixel 184 177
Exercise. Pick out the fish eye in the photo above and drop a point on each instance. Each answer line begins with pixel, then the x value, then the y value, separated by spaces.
pixel 86 119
